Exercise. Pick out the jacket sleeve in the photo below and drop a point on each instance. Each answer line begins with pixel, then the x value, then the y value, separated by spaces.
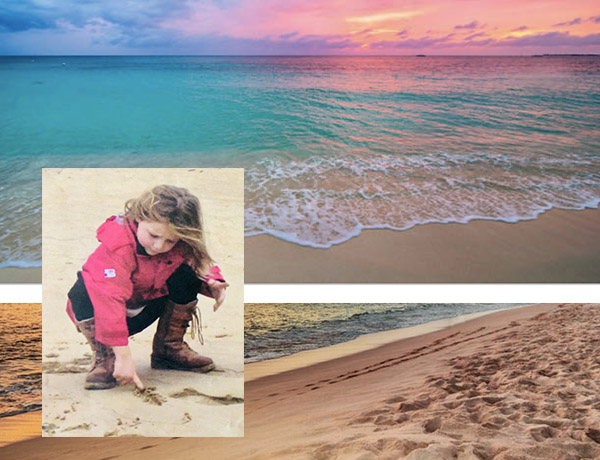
pixel 184 284
pixel 107 277
pixel 213 274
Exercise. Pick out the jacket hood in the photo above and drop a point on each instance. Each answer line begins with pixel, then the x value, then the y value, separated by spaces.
pixel 116 232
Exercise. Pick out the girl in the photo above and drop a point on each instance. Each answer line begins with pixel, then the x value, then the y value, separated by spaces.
pixel 151 263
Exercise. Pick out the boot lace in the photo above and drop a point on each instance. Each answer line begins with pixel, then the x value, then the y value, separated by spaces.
pixel 197 325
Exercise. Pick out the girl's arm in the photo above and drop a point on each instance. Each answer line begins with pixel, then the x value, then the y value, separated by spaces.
pixel 107 277
pixel 212 284
pixel 125 368
pixel 216 286
pixel 217 289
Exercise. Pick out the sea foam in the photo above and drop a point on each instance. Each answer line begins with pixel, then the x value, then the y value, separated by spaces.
pixel 326 200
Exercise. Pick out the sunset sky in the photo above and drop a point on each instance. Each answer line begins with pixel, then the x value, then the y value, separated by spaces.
pixel 292 27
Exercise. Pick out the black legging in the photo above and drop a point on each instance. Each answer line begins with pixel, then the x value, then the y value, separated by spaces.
pixel 183 287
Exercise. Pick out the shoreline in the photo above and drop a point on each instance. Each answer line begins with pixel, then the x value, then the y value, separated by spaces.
pixel 557 247
pixel 427 253
pixel 17 275
pixel 306 358
pixel 20 427
pixel 498 386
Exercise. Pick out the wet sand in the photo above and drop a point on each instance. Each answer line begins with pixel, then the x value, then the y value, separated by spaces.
pixel 517 384
pixel 20 427
pixel 15 275
pixel 186 403
pixel 559 246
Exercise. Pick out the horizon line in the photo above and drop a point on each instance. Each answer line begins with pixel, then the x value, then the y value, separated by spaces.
pixel 301 55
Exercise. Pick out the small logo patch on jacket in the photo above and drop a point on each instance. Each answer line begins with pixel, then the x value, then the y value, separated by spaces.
pixel 109 273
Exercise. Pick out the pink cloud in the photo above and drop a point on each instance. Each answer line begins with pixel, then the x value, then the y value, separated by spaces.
pixel 360 26
pixel 470 25
pixel 316 26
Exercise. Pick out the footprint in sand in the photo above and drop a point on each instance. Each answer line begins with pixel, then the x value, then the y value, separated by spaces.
pixel 541 433
pixel 395 399
pixel 593 434
pixel 432 424
pixel 418 404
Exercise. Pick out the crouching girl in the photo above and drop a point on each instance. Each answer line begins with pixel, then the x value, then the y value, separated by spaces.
pixel 151 264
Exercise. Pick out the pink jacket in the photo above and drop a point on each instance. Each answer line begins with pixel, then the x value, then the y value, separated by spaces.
pixel 116 277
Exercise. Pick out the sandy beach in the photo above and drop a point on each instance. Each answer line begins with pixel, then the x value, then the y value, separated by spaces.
pixel 185 403
pixel 558 247
pixel 516 384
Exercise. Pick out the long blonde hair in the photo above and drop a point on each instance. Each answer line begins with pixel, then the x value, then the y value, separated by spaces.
pixel 180 210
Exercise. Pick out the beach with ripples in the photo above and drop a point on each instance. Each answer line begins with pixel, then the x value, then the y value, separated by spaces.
pixel 518 383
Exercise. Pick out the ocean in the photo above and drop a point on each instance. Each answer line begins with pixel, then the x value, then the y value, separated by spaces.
pixel 276 330
pixel 331 145
pixel 20 358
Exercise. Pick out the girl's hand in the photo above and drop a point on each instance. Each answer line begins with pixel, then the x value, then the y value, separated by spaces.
pixel 217 288
pixel 124 368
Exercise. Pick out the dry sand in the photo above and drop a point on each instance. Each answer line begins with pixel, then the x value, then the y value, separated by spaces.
pixel 559 246
pixel 75 203
pixel 517 384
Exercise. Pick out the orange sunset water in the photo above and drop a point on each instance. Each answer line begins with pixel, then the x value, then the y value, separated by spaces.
pixel 20 371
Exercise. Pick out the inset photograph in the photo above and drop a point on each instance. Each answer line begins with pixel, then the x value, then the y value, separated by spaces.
pixel 143 302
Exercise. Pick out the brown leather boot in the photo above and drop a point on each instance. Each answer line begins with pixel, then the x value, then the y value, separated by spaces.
pixel 101 375
pixel 169 351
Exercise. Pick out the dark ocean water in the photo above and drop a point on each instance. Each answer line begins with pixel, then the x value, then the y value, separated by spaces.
pixel 331 145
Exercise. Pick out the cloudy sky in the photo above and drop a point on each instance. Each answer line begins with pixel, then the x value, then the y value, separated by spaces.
pixel 237 27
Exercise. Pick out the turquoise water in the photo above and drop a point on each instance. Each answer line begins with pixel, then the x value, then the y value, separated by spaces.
pixel 331 145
